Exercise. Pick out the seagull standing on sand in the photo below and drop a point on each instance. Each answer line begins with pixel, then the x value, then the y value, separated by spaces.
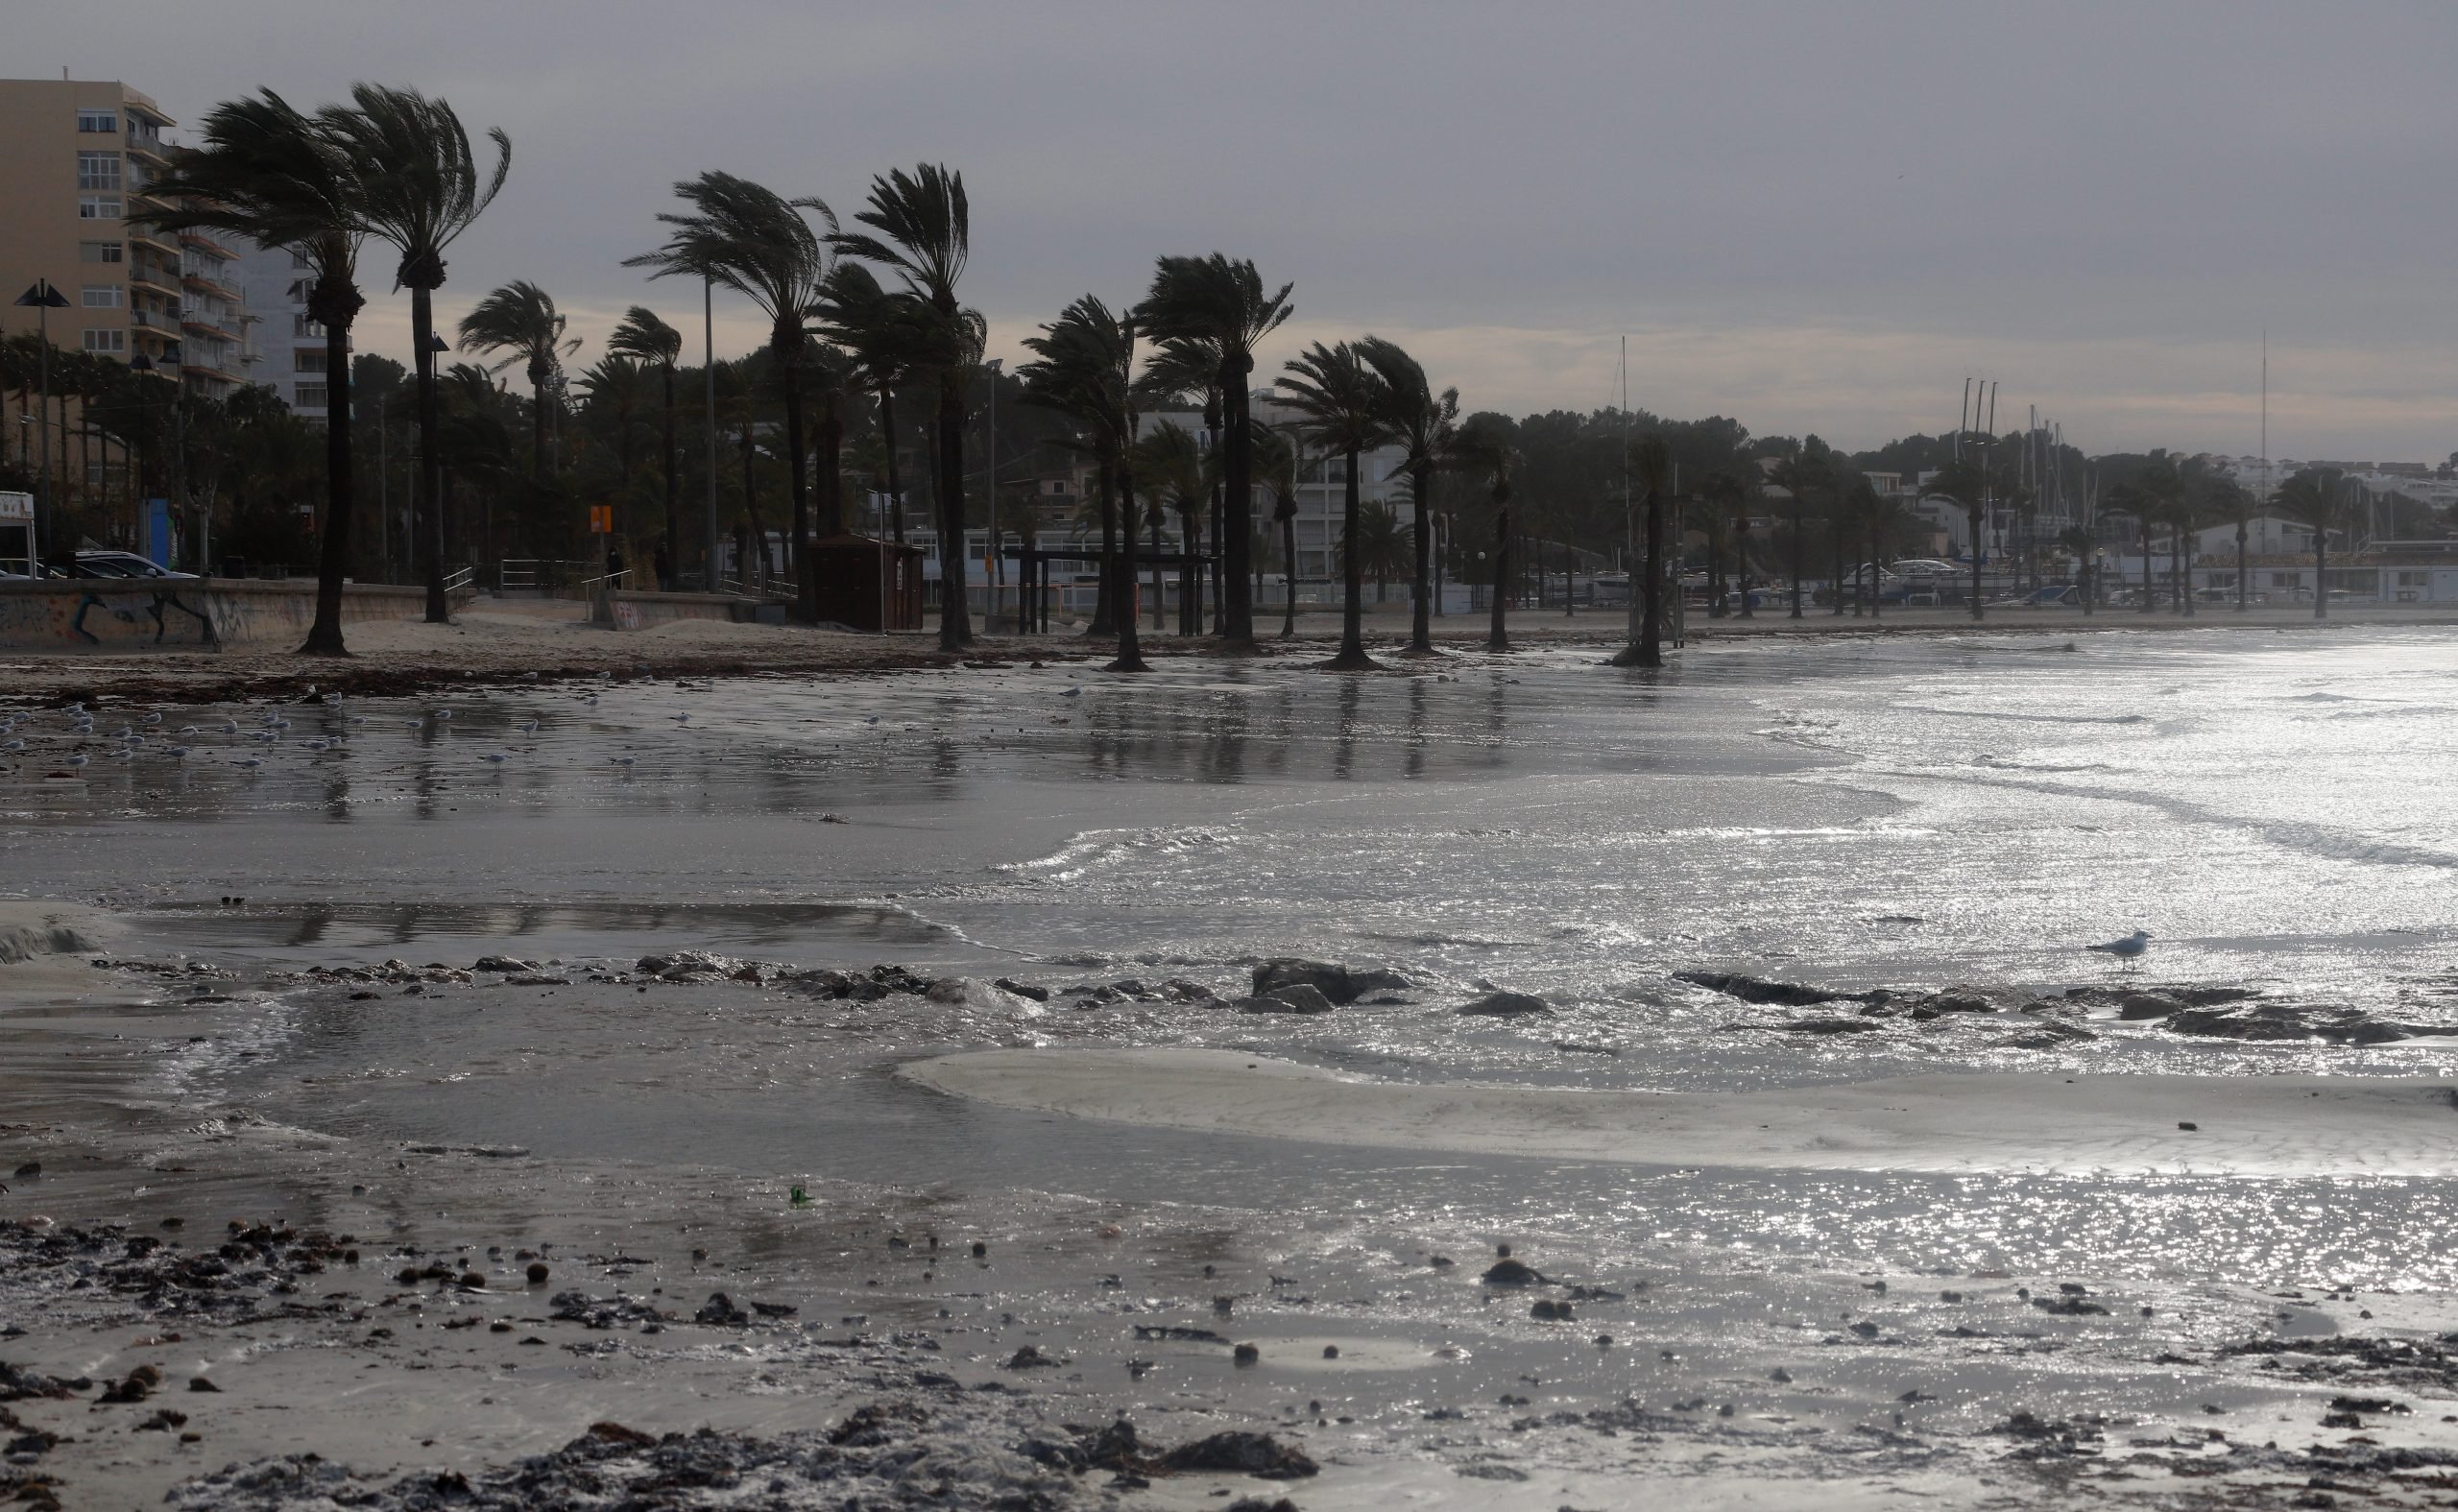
pixel 2129 947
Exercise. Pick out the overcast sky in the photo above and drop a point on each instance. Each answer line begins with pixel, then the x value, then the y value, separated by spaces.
pixel 1811 216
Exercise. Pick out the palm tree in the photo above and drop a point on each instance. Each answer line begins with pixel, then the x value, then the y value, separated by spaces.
pixel 1275 460
pixel 1423 422
pixel 1184 372
pixel 1170 463
pixel 648 340
pixel 887 335
pixel 926 233
pixel 423 189
pixel 1082 367
pixel 754 241
pixel 1341 404
pixel 2316 499
pixel 1485 446
pixel 2233 502
pixel 1381 543
pixel 1222 302
pixel 1727 499
pixel 1962 482
pixel 1798 475
pixel 521 320
pixel 1650 466
pixel 282 178
pixel 612 386
pixel 2078 540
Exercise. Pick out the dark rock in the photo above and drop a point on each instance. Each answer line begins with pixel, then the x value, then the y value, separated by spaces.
pixel 1172 1331
pixel 1337 983
pixel 503 962
pixel 1508 1272
pixel 1760 989
pixel 1952 999
pixel 2147 1005
pixel 1315 1003
pixel 1507 1005
pixel 29 1171
pixel 1039 995
pixel 1544 1311
pixel 1245 1355
pixel 1257 1455
pixel 1813 1026
pixel 1301 997
pixel 537 979
pixel 2048 1034
pixel 1030 1357
pixel 719 1309
pixel 536 1273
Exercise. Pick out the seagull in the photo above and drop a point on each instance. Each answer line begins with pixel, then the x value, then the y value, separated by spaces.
pixel 249 762
pixel 176 753
pixel 681 719
pixel 530 727
pixel 152 719
pixel 622 760
pixel 267 735
pixel 282 724
pixel 11 745
pixel 443 714
pixel 188 730
pixel 495 756
pixel 229 727
pixel 2129 946
pixel 78 759
pixel 870 719
pixel 358 719
pixel 1072 692
pixel 125 731
pixel 592 698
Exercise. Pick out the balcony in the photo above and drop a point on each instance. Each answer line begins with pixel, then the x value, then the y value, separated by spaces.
pixel 198 239
pixel 148 146
pixel 152 282
pixel 209 328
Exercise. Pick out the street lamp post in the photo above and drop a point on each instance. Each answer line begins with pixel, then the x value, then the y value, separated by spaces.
pixel 43 298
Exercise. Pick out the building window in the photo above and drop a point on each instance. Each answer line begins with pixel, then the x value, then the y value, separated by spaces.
pixel 298 263
pixel 94 118
pixel 105 341
pixel 98 207
pixel 98 170
pixel 102 252
pixel 104 296
pixel 311 396
pixel 308 359
pixel 306 326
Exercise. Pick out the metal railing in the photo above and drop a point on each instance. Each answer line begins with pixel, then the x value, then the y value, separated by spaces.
pixel 465 580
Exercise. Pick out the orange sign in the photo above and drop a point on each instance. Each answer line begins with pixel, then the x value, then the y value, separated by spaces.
pixel 601 520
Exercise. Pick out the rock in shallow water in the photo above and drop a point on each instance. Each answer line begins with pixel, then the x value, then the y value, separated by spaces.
pixel 1507 1005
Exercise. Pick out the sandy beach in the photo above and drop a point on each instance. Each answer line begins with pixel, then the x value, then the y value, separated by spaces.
pixel 749 1043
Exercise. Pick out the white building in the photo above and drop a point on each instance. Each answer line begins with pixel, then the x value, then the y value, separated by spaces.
pixel 275 283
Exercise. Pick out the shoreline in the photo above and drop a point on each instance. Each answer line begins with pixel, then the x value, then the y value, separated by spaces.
pixel 495 643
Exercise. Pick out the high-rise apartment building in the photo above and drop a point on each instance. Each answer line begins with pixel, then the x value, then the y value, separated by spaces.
pixel 80 157
pixel 274 280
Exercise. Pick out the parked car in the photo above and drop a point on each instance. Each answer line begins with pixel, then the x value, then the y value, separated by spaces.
pixel 2062 594
pixel 119 564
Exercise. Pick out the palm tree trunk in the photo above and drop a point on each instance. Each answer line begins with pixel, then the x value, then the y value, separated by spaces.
pixel 427 512
pixel 2321 572
pixel 1797 563
pixel 1835 554
pixel 1160 600
pixel 1877 583
pixel 1741 563
pixel 955 617
pixel 1352 655
pixel 2181 559
pixel 887 437
pixel 673 517
pixel 798 488
pixel 325 635
pixel 1237 608
pixel 1106 594
pixel 2240 567
pixel 2150 596
pixel 1130 652
pixel 1289 575
pixel 1190 573
pixel 1421 620
pixel 751 506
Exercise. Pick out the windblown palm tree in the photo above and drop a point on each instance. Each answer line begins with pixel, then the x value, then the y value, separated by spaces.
pixel 887 335
pixel 2316 499
pixel 1275 460
pixel 282 178
pixel 647 340
pixel 1802 474
pixel 1726 499
pixel 1169 464
pixel 1422 422
pixel 2233 503
pixel 1341 403
pixel 754 241
pixel 1183 374
pixel 1650 466
pixel 1223 303
pixel 1083 368
pixel 1486 448
pixel 423 189
pixel 521 321
pixel 926 235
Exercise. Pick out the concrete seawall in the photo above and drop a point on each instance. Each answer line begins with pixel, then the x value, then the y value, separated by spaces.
pixel 207 613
